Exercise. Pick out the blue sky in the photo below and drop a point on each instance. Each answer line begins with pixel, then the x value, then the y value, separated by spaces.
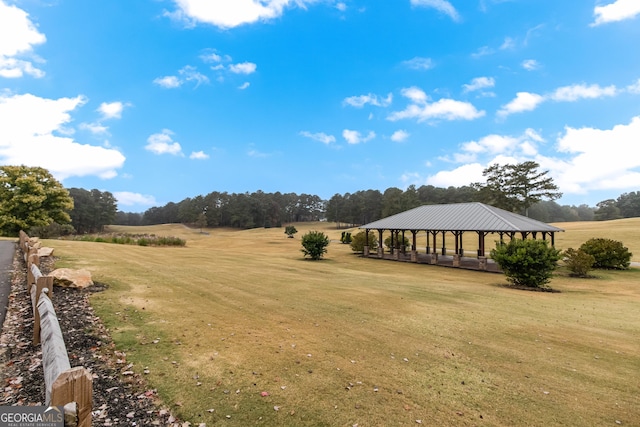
pixel 160 100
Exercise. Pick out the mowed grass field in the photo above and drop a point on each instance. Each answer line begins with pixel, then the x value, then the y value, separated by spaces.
pixel 237 329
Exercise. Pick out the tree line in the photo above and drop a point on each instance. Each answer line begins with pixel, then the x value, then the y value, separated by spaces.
pixel 31 198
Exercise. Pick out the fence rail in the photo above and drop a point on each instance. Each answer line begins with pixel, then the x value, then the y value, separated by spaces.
pixel 63 384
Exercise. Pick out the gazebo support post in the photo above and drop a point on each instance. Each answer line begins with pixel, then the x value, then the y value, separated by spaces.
pixel 402 246
pixel 366 243
pixel 396 253
pixel 482 259
pixel 456 256
pixel 380 245
pixel 444 245
pixel 434 254
pixel 414 248
pixel 428 248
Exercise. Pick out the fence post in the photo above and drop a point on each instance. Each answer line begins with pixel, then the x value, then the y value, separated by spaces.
pixel 75 385
pixel 42 283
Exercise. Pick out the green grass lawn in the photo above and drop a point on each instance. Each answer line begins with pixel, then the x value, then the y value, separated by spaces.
pixel 348 340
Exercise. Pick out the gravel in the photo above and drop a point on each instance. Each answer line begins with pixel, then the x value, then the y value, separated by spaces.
pixel 118 399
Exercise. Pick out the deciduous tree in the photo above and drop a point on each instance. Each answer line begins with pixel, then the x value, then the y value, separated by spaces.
pixel 31 197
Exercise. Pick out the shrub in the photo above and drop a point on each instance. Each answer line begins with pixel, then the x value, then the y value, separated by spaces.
pixel 387 242
pixel 346 237
pixel 608 253
pixel 578 261
pixel 358 242
pixel 290 230
pixel 527 263
pixel 314 244
pixel 52 231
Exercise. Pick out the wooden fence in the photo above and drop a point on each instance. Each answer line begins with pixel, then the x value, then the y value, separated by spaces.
pixel 63 384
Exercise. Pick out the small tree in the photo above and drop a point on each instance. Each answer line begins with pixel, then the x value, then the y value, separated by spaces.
pixel 290 230
pixel 358 242
pixel 578 261
pixel 608 253
pixel 527 263
pixel 314 244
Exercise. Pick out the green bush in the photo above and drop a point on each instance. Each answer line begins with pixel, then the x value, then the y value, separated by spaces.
pixel 290 230
pixel 51 231
pixel 527 263
pixel 346 237
pixel 387 242
pixel 314 244
pixel 608 253
pixel 358 242
pixel 578 261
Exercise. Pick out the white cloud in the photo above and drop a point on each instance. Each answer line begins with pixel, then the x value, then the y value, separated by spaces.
pixel 230 13
pixel 524 101
pixel 600 158
pixel 443 109
pixel 111 110
pixel 362 100
pixel 400 135
pixel 198 155
pixel 619 10
pixel 441 5
pixel 530 64
pixel 127 198
pixel 213 56
pixel 498 146
pixel 355 137
pixel 479 83
pixel 341 6
pixel 494 144
pixel 586 159
pixel 187 73
pixel 483 51
pixel 94 128
pixel 18 36
pixel 168 82
pixel 243 68
pixel 581 91
pixel 30 131
pixel 509 43
pixel 244 85
pixel 320 136
pixel 418 63
pixel 415 94
pixel 252 152
pixel 162 143
pixel 635 87
pixel 463 175
pixel 191 74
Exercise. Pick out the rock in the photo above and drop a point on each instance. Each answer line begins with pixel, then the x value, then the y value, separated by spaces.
pixel 69 278
pixel 43 252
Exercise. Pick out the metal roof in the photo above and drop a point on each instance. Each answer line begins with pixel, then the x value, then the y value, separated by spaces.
pixel 460 217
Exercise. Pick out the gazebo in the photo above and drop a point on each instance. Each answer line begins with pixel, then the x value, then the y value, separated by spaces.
pixel 457 219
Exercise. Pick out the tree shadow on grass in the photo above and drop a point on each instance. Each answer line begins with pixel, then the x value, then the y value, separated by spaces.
pixel 528 288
